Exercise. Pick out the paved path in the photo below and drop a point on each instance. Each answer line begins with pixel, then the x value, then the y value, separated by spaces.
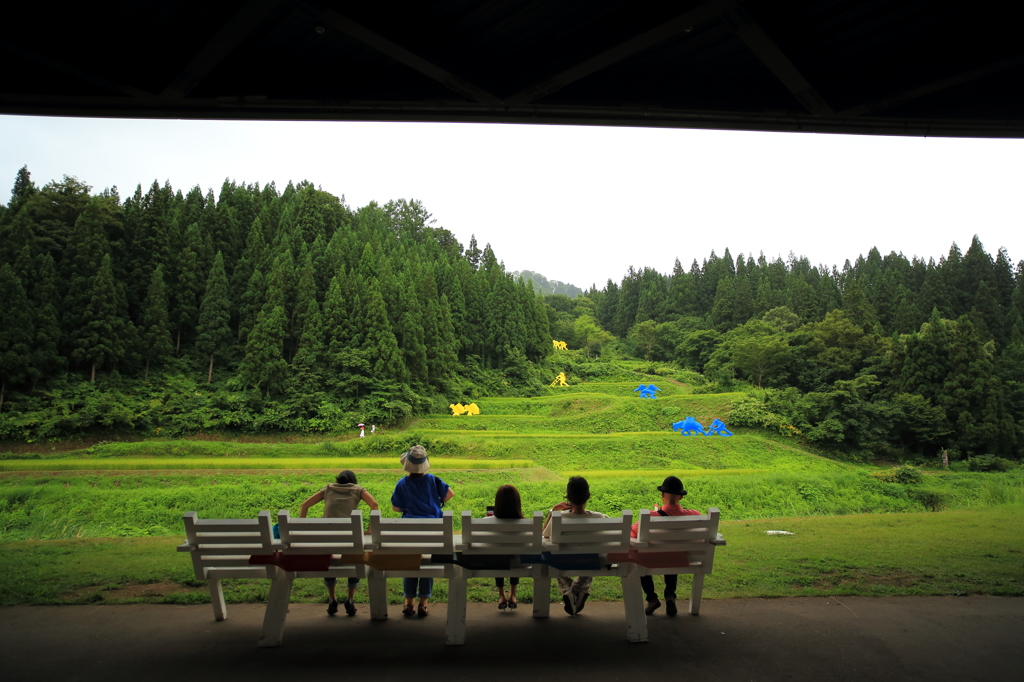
pixel 861 639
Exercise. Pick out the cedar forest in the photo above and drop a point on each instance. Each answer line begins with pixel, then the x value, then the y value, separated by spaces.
pixel 262 310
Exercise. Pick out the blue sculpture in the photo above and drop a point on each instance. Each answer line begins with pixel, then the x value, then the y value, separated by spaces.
pixel 647 391
pixel 689 427
pixel 718 426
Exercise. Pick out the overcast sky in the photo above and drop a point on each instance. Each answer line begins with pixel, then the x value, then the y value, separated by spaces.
pixel 579 204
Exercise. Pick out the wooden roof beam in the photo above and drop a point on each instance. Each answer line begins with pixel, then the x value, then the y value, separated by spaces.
pixel 936 86
pixel 777 62
pixel 238 28
pixel 683 23
pixel 398 53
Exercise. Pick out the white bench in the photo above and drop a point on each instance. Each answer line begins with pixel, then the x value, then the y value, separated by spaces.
pixel 600 537
pixel 220 549
pixel 402 549
pixel 492 538
pixel 662 540
pixel 311 548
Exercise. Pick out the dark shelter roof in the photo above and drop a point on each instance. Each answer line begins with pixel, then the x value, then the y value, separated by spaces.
pixel 846 66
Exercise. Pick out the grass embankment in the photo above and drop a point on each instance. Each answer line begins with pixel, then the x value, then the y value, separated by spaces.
pixel 46 506
pixel 100 523
pixel 976 551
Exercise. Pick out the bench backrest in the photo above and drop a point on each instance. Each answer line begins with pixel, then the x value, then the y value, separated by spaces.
pixel 342 535
pixel 226 544
pixel 412 536
pixel 490 535
pixel 590 535
pixel 676 533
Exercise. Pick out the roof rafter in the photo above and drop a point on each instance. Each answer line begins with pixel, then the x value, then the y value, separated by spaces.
pixel 238 28
pixel 398 53
pixel 776 60
pixel 935 86
pixel 80 74
pixel 681 24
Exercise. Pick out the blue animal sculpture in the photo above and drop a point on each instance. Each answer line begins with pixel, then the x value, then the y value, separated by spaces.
pixel 650 392
pixel 718 426
pixel 642 388
pixel 689 427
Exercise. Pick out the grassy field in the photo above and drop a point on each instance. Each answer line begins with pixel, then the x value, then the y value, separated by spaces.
pixel 977 551
pixel 100 522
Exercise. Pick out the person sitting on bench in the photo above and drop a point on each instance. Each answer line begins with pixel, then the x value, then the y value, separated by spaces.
pixel 577 493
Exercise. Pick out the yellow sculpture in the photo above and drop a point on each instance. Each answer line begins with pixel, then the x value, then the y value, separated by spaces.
pixel 472 409
pixel 559 345
pixel 457 409
pixel 559 380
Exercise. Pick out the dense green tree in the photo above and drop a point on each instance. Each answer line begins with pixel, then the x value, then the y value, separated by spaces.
pixel 102 338
pixel 213 328
pixel 155 326
pixel 16 331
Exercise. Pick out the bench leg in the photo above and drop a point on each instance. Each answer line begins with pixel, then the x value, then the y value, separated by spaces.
pixel 277 610
pixel 633 602
pixel 377 586
pixel 695 593
pixel 220 609
pixel 541 593
pixel 455 628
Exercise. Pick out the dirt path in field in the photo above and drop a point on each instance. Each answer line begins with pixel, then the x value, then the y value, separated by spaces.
pixel 864 639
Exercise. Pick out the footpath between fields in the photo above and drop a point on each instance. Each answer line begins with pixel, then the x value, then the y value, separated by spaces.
pixel 856 638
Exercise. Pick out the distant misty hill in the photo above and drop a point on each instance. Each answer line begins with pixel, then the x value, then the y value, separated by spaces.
pixel 543 285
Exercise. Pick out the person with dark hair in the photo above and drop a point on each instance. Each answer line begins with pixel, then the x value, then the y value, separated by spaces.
pixel 672 492
pixel 419 496
pixel 340 499
pixel 507 505
pixel 577 494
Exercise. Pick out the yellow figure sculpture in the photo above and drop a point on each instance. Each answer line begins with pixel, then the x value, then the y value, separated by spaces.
pixel 559 380
pixel 472 409
pixel 559 345
pixel 457 409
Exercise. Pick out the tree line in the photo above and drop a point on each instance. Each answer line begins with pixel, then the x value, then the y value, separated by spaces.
pixel 260 309
pixel 284 293
pixel 886 354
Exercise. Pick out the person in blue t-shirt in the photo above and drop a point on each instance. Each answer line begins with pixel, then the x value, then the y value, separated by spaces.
pixel 419 496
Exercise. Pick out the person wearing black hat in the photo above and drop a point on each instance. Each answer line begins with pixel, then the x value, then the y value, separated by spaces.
pixel 672 492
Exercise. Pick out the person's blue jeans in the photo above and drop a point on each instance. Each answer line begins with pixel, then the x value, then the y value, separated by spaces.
pixel 417 587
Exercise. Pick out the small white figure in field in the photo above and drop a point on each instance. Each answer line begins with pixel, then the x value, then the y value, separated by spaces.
pixel 373 428
pixel 362 430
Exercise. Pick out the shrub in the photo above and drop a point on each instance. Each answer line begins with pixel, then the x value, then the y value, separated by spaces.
pixel 933 499
pixel 988 463
pixel 903 474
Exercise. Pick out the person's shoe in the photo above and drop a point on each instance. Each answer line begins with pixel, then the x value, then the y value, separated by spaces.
pixel 670 607
pixel 332 608
pixel 502 605
pixel 512 604
pixel 421 611
pixel 581 600
pixel 408 610
pixel 652 606
pixel 568 605
pixel 350 608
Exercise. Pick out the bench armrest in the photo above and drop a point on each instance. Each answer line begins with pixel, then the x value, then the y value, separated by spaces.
pixel 720 541
pixel 185 547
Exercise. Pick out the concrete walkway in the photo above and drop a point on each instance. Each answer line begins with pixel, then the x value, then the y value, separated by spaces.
pixel 911 638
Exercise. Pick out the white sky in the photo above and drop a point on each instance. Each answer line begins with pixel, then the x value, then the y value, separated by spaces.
pixel 579 204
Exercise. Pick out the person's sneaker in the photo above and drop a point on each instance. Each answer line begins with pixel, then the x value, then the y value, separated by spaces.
pixel 652 606
pixel 581 600
pixel 350 608
pixel 670 607
pixel 332 608
pixel 568 605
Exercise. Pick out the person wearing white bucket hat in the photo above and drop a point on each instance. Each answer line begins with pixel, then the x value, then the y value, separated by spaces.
pixel 419 496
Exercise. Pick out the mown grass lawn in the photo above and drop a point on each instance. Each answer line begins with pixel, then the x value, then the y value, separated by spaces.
pixel 973 551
